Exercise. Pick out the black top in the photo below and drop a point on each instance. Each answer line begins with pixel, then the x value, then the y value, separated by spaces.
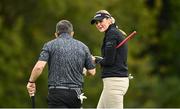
pixel 114 62
pixel 66 59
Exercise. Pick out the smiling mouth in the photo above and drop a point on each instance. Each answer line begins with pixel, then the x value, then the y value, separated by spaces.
pixel 100 27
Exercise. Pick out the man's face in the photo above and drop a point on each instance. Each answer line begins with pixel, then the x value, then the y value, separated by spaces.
pixel 103 24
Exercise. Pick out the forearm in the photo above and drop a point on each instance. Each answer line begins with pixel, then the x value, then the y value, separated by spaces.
pixel 109 58
pixel 37 70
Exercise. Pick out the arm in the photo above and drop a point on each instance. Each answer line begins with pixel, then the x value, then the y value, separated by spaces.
pixel 90 68
pixel 109 50
pixel 36 72
pixel 90 72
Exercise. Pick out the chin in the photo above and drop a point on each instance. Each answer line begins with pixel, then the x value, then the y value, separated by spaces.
pixel 101 30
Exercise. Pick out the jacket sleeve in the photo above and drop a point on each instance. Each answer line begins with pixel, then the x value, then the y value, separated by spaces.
pixel 109 49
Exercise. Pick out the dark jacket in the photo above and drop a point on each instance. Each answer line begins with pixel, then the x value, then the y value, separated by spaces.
pixel 114 62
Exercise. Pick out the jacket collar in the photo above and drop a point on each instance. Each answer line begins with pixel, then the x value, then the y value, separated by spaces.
pixel 110 26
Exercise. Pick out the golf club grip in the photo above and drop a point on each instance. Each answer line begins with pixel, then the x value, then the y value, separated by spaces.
pixel 126 39
pixel 33 101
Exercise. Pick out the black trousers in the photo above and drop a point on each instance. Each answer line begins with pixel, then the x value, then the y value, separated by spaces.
pixel 63 98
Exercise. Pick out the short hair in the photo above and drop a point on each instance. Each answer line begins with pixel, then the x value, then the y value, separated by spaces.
pixel 64 26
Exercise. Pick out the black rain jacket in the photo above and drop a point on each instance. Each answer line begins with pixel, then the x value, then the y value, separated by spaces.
pixel 114 62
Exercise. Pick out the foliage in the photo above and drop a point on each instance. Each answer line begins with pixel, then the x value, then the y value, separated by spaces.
pixel 153 58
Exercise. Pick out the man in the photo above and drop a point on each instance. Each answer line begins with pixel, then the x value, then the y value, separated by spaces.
pixel 66 58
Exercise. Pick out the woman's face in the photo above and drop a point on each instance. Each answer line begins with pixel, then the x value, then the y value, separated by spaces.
pixel 103 25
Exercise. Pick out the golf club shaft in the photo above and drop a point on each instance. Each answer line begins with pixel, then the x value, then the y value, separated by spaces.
pixel 126 39
pixel 33 101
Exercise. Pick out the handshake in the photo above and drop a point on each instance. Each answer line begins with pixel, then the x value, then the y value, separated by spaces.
pixel 96 60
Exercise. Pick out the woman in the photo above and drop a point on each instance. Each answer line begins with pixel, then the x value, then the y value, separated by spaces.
pixel 113 62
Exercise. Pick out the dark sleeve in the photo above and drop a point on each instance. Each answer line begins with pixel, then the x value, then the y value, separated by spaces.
pixel 109 49
pixel 44 55
pixel 88 60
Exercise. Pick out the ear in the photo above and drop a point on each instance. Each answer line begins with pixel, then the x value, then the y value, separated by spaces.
pixel 56 35
pixel 72 33
pixel 110 21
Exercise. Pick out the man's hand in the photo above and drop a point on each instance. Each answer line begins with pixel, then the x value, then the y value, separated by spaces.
pixel 31 87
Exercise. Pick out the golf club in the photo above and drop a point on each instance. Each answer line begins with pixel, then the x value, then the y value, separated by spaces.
pixel 33 101
pixel 126 39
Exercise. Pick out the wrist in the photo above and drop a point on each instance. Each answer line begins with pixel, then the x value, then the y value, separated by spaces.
pixel 31 81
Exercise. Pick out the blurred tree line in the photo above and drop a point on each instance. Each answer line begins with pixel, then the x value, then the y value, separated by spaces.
pixel 153 58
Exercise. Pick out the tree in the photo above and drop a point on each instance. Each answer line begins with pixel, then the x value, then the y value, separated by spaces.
pixel 153 54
